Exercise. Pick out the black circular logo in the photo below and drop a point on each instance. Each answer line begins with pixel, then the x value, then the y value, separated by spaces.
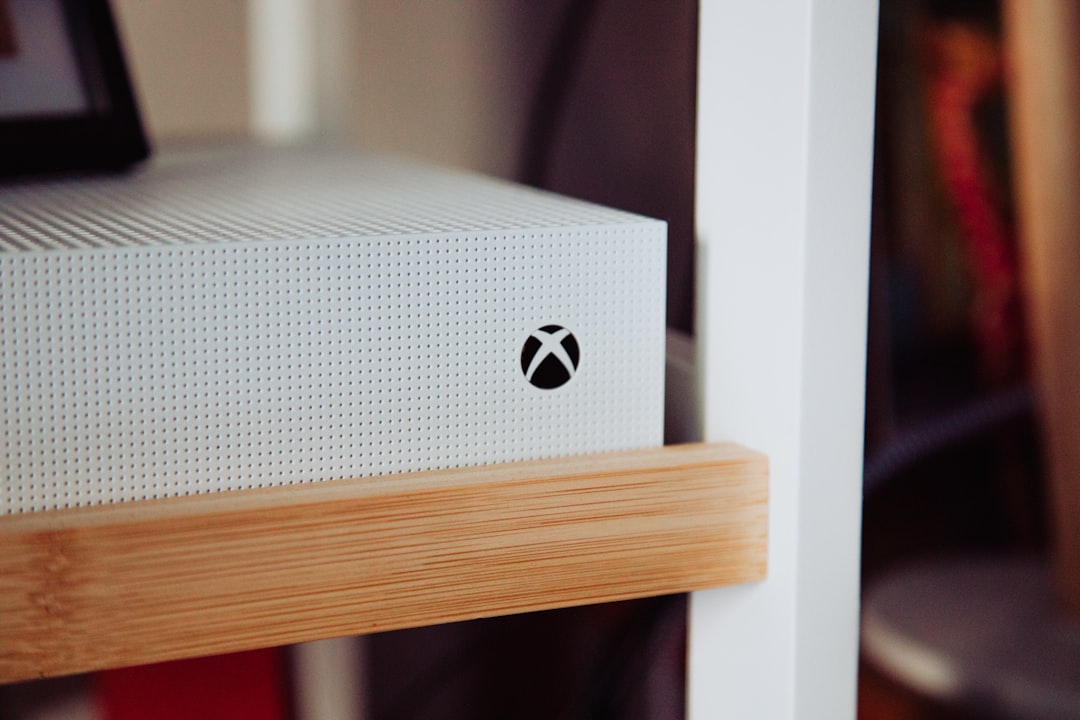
pixel 550 357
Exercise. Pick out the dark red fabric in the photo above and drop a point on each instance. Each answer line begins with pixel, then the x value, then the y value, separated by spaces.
pixel 240 686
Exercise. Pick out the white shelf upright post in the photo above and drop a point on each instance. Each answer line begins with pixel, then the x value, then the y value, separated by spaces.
pixel 785 128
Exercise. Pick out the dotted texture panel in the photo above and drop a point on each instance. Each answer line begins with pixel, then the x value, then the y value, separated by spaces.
pixel 149 372
pixel 245 195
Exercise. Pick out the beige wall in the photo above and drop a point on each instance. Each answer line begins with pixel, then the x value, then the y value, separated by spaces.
pixel 448 80
pixel 443 80
pixel 189 64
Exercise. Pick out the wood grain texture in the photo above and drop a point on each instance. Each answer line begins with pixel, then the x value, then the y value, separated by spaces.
pixel 1043 42
pixel 140 582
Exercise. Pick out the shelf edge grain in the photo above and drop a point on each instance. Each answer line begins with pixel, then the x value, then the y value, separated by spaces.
pixel 112 586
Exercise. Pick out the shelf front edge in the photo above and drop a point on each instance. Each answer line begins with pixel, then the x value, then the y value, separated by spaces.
pixel 112 586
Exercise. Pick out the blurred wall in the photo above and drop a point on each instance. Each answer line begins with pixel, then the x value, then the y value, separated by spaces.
pixel 189 64
pixel 449 81
pixel 445 81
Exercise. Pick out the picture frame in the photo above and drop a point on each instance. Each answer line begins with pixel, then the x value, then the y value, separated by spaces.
pixel 96 125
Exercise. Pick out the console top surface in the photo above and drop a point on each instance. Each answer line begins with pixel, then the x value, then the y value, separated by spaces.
pixel 252 194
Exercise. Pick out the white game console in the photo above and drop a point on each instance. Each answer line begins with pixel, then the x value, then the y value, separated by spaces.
pixel 251 318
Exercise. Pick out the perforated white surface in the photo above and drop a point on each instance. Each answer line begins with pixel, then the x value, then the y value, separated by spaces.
pixel 225 350
pixel 249 195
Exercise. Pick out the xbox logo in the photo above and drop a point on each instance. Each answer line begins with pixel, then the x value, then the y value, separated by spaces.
pixel 550 357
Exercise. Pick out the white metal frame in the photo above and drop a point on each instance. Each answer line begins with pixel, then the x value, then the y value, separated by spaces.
pixel 785 128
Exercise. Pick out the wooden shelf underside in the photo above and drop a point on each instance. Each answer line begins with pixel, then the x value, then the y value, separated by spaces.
pixel 126 584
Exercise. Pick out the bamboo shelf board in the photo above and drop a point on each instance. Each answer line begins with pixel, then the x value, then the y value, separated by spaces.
pixel 126 584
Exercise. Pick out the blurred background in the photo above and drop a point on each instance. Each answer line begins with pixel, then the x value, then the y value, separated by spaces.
pixel 597 100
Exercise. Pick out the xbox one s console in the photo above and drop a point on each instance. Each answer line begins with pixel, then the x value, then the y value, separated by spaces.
pixel 251 318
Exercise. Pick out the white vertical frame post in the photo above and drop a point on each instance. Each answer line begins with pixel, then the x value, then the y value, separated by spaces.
pixel 785 128
pixel 283 57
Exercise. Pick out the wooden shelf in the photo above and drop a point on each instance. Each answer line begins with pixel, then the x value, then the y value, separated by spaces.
pixel 126 584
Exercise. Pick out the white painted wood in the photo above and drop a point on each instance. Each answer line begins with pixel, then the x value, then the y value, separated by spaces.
pixel 785 125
